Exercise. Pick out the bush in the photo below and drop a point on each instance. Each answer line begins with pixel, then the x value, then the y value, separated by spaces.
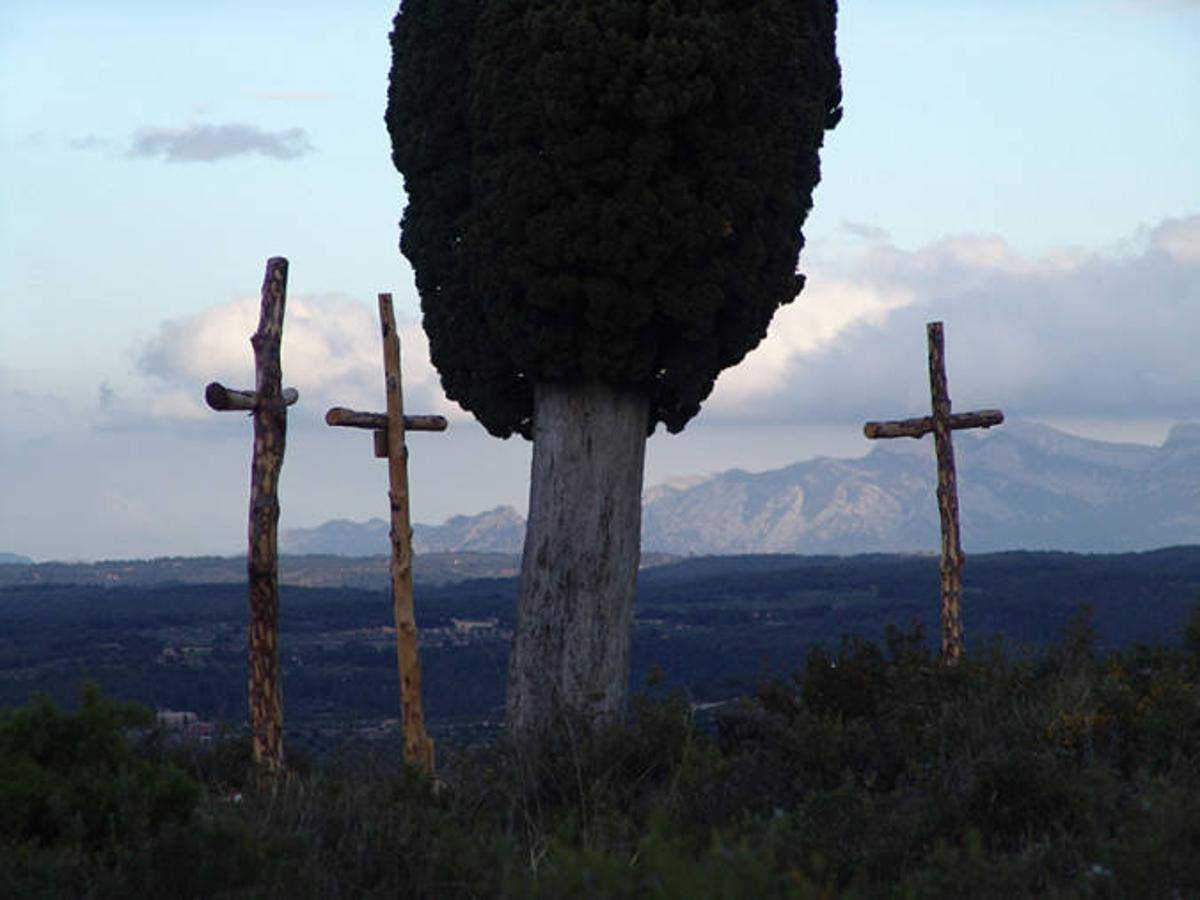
pixel 83 812
pixel 75 779
pixel 875 772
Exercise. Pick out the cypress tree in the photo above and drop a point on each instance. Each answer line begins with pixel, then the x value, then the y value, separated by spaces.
pixel 605 201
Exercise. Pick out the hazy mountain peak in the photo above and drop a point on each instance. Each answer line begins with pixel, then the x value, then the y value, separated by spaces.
pixel 1185 434
pixel 1021 485
pixel 499 530
pixel 675 484
pixel 1043 440
pixel 502 513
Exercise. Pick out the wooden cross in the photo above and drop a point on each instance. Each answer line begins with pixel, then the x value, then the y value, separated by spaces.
pixel 268 404
pixel 390 428
pixel 941 423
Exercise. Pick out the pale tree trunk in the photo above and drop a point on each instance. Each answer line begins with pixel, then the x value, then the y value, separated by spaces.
pixel 582 545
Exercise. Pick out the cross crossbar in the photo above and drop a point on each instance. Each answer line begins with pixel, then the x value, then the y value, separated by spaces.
pixel 915 428
pixel 378 422
pixel 339 415
pixel 223 399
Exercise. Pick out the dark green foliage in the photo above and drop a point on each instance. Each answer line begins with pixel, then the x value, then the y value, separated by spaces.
pixel 873 773
pixel 86 812
pixel 75 778
pixel 608 190
pixel 1007 776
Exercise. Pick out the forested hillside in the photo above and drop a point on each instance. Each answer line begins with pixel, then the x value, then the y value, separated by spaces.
pixel 712 626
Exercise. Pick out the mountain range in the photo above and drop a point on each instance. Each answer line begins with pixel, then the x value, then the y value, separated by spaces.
pixel 1021 486
pixel 500 530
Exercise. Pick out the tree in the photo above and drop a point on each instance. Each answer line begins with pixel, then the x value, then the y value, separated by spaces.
pixel 605 200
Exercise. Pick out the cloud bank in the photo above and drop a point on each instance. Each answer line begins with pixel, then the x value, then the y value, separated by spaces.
pixel 1069 333
pixel 207 143
pixel 331 354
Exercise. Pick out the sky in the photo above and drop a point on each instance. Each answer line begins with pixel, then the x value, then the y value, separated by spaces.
pixel 1024 171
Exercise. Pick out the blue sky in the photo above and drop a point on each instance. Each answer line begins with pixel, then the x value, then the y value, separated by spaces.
pixel 1026 171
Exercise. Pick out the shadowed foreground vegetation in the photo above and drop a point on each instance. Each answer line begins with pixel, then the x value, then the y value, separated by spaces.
pixel 871 773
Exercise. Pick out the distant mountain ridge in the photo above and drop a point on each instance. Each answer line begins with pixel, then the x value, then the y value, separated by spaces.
pixel 499 530
pixel 1021 486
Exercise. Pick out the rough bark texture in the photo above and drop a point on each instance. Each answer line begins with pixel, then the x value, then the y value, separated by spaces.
pixel 916 428
pixel 224 399
pixel 575 606
pixel 947 496
pixel 941 423
pixel 270 432
pixel 418 748
pixel 339 415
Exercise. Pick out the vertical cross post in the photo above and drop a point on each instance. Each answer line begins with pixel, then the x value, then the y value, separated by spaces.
pixel 390 429
pixel 941 423
pixel 951 566
pixel 268 404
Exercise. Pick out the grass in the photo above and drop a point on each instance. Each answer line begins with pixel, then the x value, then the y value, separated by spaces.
pixel 873 772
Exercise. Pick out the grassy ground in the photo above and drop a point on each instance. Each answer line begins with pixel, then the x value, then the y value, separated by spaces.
pixel 871 773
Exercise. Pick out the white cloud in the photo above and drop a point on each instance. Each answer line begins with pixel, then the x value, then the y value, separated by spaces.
pixel 864 231
pixel 206 143
pixel 1179 239
pixel 1068 333
pixel 816 319
pixel 331 353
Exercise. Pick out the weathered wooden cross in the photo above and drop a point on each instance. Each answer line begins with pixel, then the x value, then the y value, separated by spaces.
pixel 941 423
pixel 390 429
pixel 268 405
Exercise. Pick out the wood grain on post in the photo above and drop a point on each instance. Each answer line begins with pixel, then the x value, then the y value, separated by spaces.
pixel 418 747
pixel 951 567
pixel 389 430
pixel 942 423
pixel 916 428
pixel 268 404
pixel 222 398
pixel 270 434
pixel 377 422
pixel 339 415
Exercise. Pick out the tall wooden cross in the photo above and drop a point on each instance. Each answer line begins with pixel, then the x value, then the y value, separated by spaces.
pixel 390 429
pixel 941 423
pixel 268 404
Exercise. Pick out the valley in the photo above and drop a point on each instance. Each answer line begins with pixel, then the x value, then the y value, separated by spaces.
pixel 709 627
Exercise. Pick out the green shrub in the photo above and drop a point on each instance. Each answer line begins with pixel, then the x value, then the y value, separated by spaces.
pixel 875 772
pixel 83 812
pixel 75 779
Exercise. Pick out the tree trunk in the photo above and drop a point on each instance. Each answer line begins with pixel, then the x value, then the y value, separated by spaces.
pixel 582 545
